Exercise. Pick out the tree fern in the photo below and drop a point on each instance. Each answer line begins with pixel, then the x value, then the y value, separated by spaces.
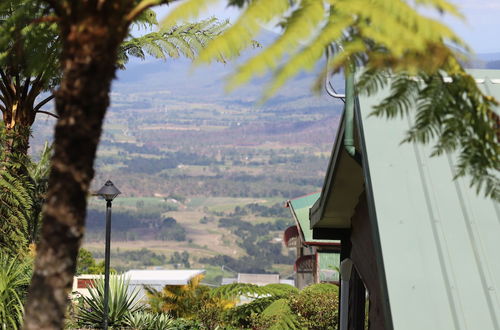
pixel 185 40
pixel 235 290
pixel 281 316
pixel 15 203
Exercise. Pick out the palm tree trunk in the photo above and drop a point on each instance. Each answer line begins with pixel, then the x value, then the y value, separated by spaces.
pixel 91 32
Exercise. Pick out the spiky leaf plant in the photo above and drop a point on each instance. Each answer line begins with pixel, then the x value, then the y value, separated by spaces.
pixel 377 38
pixel 142 320
pixel 15 275
pixel 121 303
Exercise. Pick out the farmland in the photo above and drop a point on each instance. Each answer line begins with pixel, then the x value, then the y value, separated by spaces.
pixel 201 160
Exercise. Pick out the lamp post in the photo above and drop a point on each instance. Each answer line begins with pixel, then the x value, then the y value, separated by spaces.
pixel 108 192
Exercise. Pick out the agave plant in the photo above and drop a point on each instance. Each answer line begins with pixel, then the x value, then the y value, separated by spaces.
pixel 14 279
pixel 149 321
pixel 121 303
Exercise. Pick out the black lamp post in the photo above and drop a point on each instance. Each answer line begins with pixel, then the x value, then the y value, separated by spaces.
pixel 108 192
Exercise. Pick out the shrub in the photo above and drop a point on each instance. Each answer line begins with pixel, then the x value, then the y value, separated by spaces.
pixel 184 324
pixel 316 306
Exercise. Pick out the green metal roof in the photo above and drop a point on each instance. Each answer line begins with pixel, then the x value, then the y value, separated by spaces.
pixel 299 207
pixel 440 241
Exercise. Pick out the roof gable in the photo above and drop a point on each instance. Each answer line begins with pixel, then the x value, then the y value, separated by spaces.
pixel 299 207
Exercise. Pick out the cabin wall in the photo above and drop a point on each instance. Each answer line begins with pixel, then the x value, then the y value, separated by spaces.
pixel 363 257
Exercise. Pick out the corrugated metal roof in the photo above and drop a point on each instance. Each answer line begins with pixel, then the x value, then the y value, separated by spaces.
pixel 300 210
pixel 440 241
pixel 329 264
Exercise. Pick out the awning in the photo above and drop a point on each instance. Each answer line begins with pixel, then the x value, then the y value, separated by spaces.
pixel 291 236
pixel 305 264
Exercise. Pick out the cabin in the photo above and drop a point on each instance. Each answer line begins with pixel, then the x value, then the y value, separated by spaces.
pixel 317 259
pixel 419 250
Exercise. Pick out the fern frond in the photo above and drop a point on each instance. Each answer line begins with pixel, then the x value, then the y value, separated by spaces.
pixel 241 34
pixel 181 40
pixel 235 290
pixel 282 315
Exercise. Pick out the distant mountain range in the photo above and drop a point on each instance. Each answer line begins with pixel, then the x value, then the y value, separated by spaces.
pixel 485 61
pixel 206 84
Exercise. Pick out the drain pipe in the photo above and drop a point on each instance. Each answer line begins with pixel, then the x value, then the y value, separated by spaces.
pixel 349 113
pixel 348 98
pixel 345 276
pixel 328 84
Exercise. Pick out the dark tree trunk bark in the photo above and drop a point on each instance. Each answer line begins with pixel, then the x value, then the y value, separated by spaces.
pixel 17 140
pixel 91 32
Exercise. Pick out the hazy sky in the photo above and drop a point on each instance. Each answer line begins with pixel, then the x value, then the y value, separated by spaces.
pixel 481 28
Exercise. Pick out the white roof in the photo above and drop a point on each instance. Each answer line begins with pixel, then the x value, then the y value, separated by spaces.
pixel 289 282
pixel 229 280
pixel 162 277
pixel 258 279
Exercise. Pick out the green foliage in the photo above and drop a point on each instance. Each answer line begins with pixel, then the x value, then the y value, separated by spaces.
pixel 15 203
pixel 178 300
pixel 86 264
pixel 171 231
pixel 15 275
pixel 382 37
pixel 316 306
pixel 244 314
pixel 279 306
pixel 121 303
pixel 29 48
pixel 277 315
pixel 185 40
pixel 15 200
pixel 148 321
pixel 256 240
pixel 384 30
pixel 234 290
pixel 38 178
pixel 184 324
pixel 180 259
pixel 23 184
pixel 262 297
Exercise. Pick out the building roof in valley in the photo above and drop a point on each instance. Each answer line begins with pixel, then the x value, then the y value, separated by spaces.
pixel 258 279
pixel 436 239
pixel 299 207
pixel 163 277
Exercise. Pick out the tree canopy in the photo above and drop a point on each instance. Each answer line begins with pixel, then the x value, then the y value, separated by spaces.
pixel 30 50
